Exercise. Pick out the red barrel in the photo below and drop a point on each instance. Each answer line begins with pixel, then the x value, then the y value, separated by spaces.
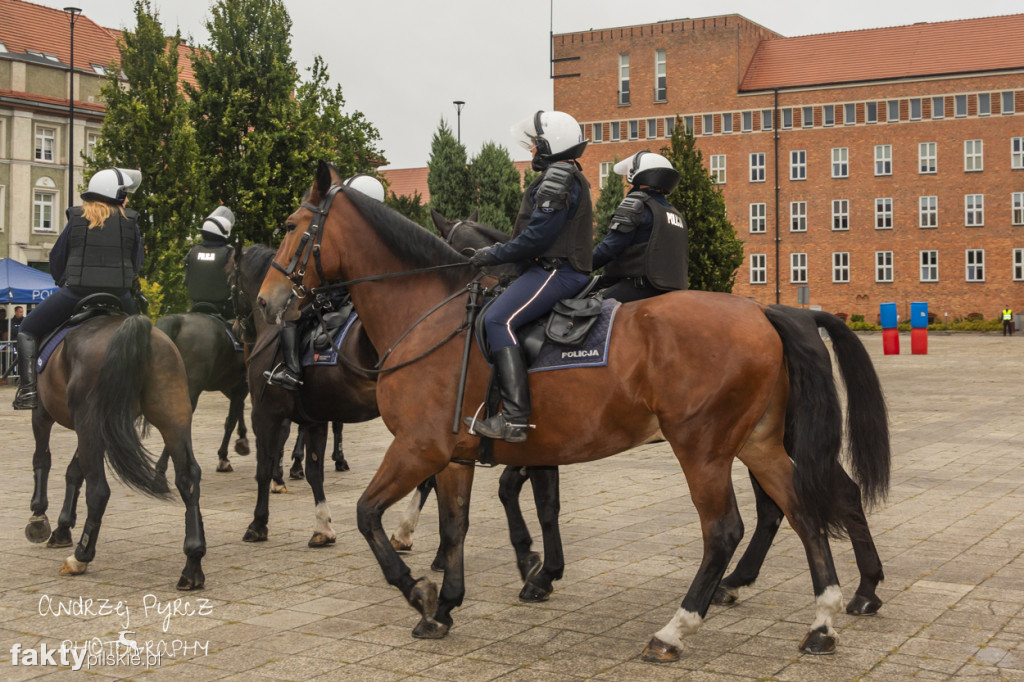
pixel 919 341
pixel 891 341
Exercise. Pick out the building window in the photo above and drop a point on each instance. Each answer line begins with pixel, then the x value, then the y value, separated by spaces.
pixel 757 167
pixel 927 157
pixel 766 119
pixel 893 113
pixel 616 132
pixel 1007 102
pixel 929 266
pixel 1018 265
pixel 974 210
pixel 798 164
pixel 726 123
pixel 598 132
pixel 605 170
pixel 42 211
pixel 960 106
pixel 747 121
pixel 718 168
pixel 938 107
pixel 708 124
pixel 849 114
pixel 1018 208
pixel 883 159
pixel 758 218
pixel 883 266
pixel 623 79
pixel 45 142
pixel 972 155
pixel 652 128
pixel 787 118
pixel 670 126
pixel 1017 153
pixel 807 117
pixel 975 265
pixel 828 115
pixel 928 211
pixel 660 79
pixel 758 268
pixel 841 267
pixel 798 216
pixel 634 130
pixel 984 104
pixel 90 144
pixel 871 112
pixel 883 213
pixel 840 214
pixel 840 162
pixel 915 109
pixel 798 268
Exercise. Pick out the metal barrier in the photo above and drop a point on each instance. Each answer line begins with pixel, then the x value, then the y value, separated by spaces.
pixel 9 360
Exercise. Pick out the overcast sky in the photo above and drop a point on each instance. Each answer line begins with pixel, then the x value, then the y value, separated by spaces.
pixel 403 62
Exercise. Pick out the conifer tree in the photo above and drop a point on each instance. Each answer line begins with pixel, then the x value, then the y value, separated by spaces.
pixel 715 250
pixel 612 192
pixel 448 175
pixel 412 207
pixel 496 183
pixel 146 126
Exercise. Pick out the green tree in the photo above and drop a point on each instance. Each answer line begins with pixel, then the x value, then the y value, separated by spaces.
pixel 715 250
pixel 497 186
pixel 412 207
pixel 448 175
pixel 612 192
pixel 146 126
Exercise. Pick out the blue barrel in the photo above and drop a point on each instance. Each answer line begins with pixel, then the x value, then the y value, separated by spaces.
pixel 888 312
pixel 919 315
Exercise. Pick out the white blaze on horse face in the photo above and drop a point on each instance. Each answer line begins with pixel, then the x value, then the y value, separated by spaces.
pixel 828 604
pixel 323 520
pixel 683 623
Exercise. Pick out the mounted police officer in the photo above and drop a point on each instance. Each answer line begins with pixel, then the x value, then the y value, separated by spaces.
pixel 99 251
pixel 288 374
pixel 646 250
pixel 206 276
pixel 551 245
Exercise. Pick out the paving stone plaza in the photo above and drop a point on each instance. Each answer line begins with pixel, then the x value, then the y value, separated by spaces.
pixel 950 537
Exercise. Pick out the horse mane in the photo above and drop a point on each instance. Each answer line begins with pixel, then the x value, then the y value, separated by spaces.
pixel 415 246
pixel 489 232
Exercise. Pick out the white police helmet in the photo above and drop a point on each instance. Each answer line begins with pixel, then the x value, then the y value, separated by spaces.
pixel 649 169
pixel 556 135
pixel 366 184
pixel 219 223
pixel 112 185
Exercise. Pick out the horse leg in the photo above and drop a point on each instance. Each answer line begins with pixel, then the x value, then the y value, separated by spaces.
pixel 270 436
pixel 769 517
pixel 242 444
pixel 187 475
pixel 277 484
pixel 710 484
pixel 73 479
pixel 338 455
pixel 402 540
pixel 297 453
pixel 38 528
pixel 316 447
pixel 97 493
pixel 538 587
pixel 510 486
pixel 865 601
pixel 223 463
pixel 454 485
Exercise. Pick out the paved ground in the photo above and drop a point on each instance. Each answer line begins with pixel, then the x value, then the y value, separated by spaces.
pixel 950 538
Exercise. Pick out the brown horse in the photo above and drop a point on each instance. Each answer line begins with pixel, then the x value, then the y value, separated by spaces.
pixel 722 377
pixel 104 375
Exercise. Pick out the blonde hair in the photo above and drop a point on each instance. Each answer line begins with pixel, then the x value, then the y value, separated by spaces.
pixel 97 212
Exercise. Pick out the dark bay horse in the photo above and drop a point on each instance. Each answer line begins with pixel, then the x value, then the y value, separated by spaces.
pixel 468 235
pixel 721 376
pixel 212 364
pixel 103 376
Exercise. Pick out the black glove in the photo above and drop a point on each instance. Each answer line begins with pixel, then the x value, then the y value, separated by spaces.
pixel 482 257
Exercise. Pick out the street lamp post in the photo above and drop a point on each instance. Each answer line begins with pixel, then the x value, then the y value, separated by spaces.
pixel 458 111
pixel 73 13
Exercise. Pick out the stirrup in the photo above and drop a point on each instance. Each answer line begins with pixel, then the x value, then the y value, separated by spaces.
pixel 498 428
pixel 283 377
pixel 26 400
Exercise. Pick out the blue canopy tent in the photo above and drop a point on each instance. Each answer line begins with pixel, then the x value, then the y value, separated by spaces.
pixel 20 283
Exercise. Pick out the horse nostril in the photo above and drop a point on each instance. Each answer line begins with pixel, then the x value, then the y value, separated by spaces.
pixel 262 301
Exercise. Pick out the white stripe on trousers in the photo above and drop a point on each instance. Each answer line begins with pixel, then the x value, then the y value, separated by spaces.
pixel 508 325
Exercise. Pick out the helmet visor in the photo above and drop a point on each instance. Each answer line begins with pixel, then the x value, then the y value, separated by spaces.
pixel 525 133
pixel 131 179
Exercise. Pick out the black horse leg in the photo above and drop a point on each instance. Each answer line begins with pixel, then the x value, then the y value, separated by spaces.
pixel 545 494
pixel 187 475
pixel 769 517
pixel 402 539
pixel 316 447
pixel 73 479
pixel 38 528
pixel 242 444
pixel 864 602
pixel 338 455
pixel 277 472
pixel 270 437
pixel 297 453
pixel 510 485
pixel 97 494
pixel 223 463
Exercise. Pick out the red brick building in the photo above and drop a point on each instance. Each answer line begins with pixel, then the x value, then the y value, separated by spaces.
pixel 869 166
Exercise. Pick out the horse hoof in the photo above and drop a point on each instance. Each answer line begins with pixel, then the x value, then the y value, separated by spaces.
pixel 863 606
pixel 423 597
pixel 428 628
pixel 159 484
pixel 400 545
pixel 320 540
pixel 529 566
pixel 658 651
pixel 38 529
pixel 187 583
pixel 242 447
pixel 724 596
pixel 60 538
pixel 340 465
pixel 73 566
pixel 818 643
pixel 296 474
pixel 533 593
pixel 224 467
pixel 253 535
pixel 278 488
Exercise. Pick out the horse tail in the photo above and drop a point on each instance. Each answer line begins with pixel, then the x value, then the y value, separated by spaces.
pixel 114 403
pixel 814 420
pixel 867 423
pixel 170 325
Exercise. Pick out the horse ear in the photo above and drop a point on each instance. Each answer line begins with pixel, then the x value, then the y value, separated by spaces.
pixel 475 218
pixel 439 222
pixel 323 177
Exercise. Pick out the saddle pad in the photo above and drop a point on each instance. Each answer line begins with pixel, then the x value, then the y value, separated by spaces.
pixel 329 356
pixel 592 353
pixel 50 346
pixel 231 334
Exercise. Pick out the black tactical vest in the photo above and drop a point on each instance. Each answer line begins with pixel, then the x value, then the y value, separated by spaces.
pixel 101 257
pixel 206 273
pixel 576 241
pixel 664 259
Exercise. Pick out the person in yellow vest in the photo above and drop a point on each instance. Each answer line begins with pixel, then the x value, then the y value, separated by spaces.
pixel 1007 321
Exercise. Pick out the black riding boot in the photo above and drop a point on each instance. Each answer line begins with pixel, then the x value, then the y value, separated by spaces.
pixel 27 396
pixel 513 422
pixel 288 374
